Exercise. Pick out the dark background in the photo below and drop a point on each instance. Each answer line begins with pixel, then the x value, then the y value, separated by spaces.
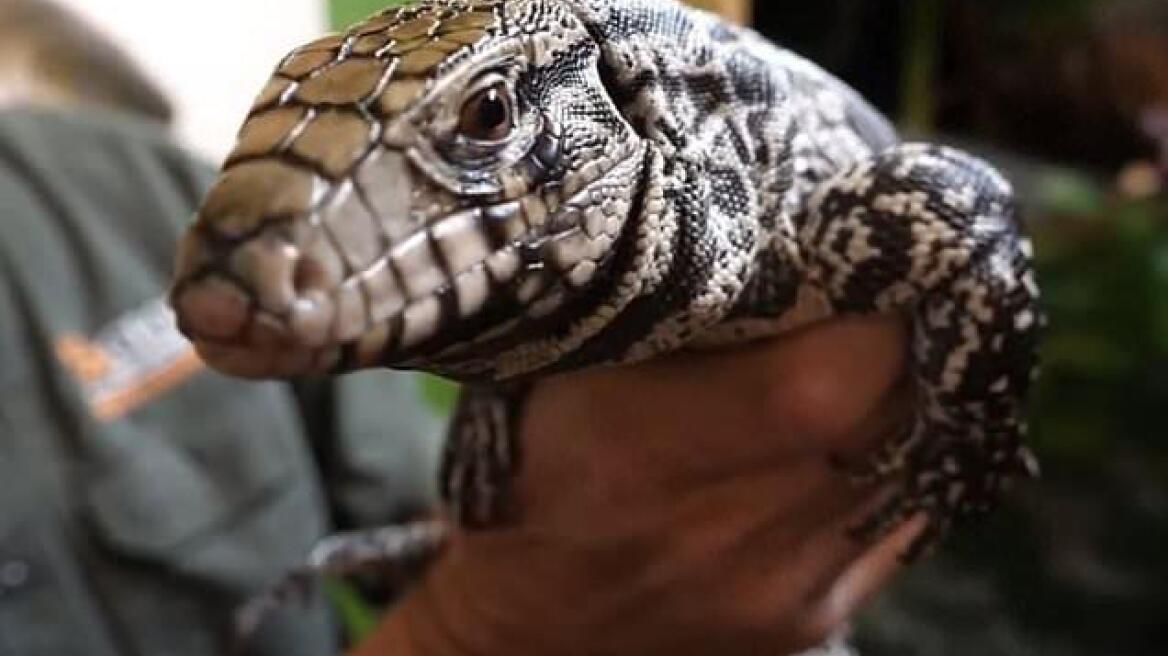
pixel 1071 98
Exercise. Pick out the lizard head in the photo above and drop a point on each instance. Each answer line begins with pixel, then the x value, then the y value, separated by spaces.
pixel 428 187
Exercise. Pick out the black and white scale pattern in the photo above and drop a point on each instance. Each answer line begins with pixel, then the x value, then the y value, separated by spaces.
pixel 670 182
pixel 774 196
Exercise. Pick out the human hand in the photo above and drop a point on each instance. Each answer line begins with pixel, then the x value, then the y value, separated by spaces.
pixel 683 506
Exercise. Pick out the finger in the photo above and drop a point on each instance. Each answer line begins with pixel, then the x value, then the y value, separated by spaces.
pixel 869 573
pixel 850 575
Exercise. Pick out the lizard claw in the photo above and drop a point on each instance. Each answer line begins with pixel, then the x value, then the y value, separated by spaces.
pixel 948 476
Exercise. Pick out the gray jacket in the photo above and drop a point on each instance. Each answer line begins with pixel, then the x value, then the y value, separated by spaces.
pixel 142 497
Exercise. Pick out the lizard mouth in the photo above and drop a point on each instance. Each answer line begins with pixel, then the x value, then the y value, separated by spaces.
pixel 282 304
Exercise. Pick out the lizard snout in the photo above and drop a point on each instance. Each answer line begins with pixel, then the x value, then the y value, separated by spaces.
pixel 243 305
pixel 281 263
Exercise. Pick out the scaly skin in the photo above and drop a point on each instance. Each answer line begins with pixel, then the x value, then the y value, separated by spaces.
pixel 495 191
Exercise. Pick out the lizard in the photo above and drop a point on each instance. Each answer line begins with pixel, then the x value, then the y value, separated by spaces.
pixel 500 190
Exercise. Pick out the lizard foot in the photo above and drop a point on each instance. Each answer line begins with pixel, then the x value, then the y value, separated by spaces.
pixel 887 461
pixel 482 457
pixel 947 476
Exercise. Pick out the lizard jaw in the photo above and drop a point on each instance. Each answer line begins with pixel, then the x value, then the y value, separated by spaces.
pixel 441 274
pixel 272 307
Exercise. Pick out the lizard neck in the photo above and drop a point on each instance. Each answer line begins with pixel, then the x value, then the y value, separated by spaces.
pixel 703 94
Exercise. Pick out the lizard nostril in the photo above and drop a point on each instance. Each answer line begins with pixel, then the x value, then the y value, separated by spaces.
pixel 308 276
pixel 212 308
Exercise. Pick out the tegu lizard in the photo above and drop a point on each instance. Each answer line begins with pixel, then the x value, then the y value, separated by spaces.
pixel 499 190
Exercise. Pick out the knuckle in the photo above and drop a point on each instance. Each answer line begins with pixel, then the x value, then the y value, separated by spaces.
pixel 814 403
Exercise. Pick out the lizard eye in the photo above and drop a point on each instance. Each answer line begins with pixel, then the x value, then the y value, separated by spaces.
pixel 487 115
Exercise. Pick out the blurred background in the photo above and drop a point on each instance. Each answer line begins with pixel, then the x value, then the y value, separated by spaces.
pixel 210 57
pixel 1070 97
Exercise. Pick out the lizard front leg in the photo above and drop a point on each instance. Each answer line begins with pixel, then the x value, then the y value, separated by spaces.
pixel 482 455
pixel 402 551
pixel 480 460
pixel 930 232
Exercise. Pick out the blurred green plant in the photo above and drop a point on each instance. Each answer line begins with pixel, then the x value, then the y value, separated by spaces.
pixel 343 13
pixel 923 27
pixel 1103 263
pixel 357 616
